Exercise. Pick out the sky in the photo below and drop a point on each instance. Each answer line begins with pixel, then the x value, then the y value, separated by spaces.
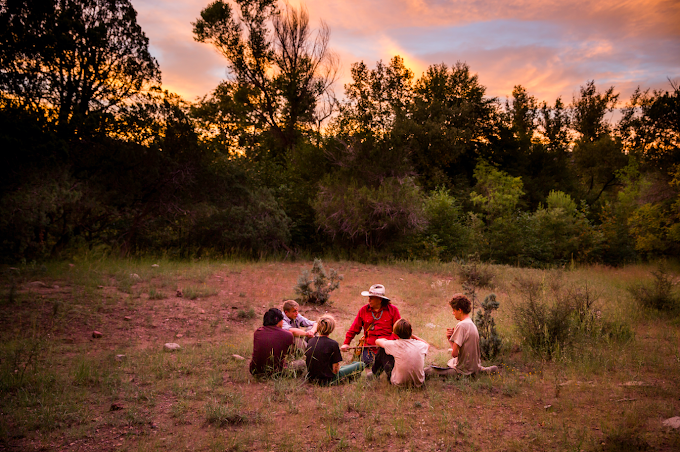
pixel 550 47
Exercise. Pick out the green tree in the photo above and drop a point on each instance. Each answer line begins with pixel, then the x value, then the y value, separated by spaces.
pixel 450 124
pixel 650 127
pixel 278 73
pixel 597 154
pixel 589 109
pixel 496 192
pixel 523 115
pixel 79 58
pixel 375 99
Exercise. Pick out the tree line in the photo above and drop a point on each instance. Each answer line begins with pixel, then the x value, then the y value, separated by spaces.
pixel 98 158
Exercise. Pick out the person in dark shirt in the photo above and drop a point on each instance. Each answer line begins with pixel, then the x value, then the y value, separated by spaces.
pixel 271 344
pixel 323 356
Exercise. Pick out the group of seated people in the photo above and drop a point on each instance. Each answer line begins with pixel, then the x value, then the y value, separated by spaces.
pixel 388 344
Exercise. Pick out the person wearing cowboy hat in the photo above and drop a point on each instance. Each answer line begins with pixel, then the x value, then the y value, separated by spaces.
pixel 377 319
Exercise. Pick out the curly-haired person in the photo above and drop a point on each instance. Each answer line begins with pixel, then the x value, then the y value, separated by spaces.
pixel 464 341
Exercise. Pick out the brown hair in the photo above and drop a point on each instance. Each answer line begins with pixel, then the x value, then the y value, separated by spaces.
pixel 460 301
pixel 326 325
pixel 289 305
pixel 402 328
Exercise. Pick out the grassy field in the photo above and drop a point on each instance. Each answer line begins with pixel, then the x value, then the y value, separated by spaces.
pixel 608 387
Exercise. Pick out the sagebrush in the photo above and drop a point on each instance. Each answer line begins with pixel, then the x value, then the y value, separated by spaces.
pixel 315 288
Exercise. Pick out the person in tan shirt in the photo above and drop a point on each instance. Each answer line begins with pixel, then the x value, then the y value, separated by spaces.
pixel 464 341
pixel 409 355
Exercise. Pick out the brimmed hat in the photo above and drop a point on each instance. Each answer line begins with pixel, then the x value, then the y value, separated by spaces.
pixel 376 290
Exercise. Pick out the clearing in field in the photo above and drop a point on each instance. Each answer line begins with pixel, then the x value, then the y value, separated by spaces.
pixel 584 366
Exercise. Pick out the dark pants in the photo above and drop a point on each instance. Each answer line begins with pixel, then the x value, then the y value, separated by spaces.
pixel 381 361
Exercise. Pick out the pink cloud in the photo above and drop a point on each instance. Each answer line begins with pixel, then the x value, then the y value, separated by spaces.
pixel 550 47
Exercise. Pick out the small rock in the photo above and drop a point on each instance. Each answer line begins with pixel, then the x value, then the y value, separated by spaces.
pixel 547 407
pixel 127 318
pixel 238 357
pixel 171 347
pixel 179 293
pixel 155 266
pixel 37 284
pixel 55 286
pixel 153 425
pixel 120 357
pixel 430 325
pixel 673 422
pixel 96 334
pixel 116 407
pixel 202 311
pixel 134 276
pixel 178 335
pixel 100 287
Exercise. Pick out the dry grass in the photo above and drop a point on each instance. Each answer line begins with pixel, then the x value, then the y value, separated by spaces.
pixel 59 385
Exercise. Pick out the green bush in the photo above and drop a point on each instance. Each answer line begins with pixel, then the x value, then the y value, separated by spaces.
pixel 489 340
pixel 370 215
pixel 659 294
pixel 544 326
pixel 246 313
pixel 316 288
pixel 553 319
pixel 446 235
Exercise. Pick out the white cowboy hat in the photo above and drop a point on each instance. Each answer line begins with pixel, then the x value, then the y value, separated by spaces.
pixel 376 290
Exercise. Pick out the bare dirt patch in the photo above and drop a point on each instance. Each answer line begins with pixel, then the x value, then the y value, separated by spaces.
pixel 201 398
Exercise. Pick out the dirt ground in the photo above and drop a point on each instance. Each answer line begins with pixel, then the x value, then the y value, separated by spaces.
pixel 202 397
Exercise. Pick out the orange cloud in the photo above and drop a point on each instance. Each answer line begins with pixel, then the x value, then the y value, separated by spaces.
pixel 551 47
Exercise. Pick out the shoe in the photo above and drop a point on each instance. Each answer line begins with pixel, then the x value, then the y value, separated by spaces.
pixel 491 370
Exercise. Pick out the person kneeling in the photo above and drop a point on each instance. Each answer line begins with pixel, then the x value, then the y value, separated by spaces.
pixel 409 355
pixel 464 340
pixel 323 356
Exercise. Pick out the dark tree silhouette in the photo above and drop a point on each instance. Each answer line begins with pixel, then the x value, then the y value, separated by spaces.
pixel 78 58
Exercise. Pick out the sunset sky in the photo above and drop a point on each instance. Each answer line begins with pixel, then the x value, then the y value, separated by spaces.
pixel 549 47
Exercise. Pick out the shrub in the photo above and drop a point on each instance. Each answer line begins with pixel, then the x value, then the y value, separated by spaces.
pixel 552 318
pixel 316 288
pixel 489 340
pixel 446 230
pixel 544 326
pixel 374 215
pixel 657 295
pixel 473 273
pixel 194 292
pixel 474 276
pixel 246 313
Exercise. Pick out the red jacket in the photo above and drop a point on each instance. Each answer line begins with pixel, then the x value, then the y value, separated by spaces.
pixel 381 323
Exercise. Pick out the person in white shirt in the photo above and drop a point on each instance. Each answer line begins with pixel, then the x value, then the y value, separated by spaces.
pixel 409 355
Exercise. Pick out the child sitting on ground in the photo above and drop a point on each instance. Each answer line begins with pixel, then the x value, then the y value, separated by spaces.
pixel 464 340
pixel 323 356
pixel 409 355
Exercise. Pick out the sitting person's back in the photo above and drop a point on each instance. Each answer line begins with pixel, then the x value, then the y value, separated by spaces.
pixel 271 344
pixel 323 356
pixel 409 355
